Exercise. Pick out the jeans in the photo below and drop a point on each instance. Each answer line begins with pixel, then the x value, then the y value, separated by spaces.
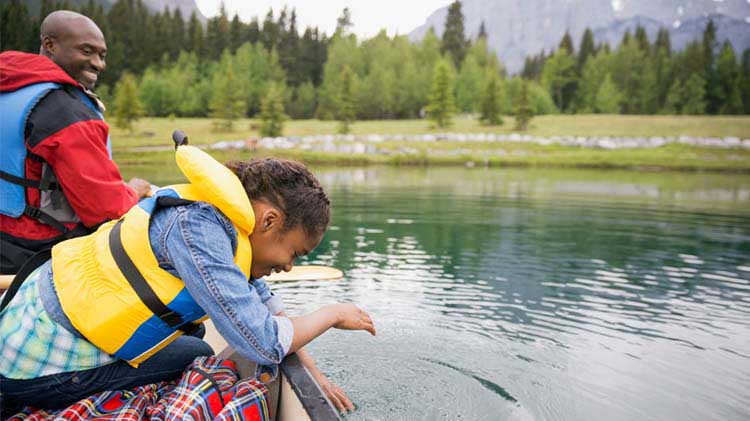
pixel 60 390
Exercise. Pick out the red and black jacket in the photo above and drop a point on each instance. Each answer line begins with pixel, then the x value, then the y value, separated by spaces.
pixel 71 139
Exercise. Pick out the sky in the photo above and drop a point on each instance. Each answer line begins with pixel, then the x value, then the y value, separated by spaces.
pixel 368 16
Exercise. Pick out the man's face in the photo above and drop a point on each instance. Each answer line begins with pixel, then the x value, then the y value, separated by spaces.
pixel 80 51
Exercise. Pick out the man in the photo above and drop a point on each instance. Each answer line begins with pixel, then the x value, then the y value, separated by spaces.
pixel 57 178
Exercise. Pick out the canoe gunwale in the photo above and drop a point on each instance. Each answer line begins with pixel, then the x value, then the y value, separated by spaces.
pixel 309 393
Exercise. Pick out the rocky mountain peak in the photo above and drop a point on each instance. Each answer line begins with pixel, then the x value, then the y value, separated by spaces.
pixel 517 28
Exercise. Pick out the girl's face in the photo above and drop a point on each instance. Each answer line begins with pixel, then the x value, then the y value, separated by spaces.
pixel 275 250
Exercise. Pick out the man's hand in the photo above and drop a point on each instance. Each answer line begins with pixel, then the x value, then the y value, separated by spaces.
pixel 141 186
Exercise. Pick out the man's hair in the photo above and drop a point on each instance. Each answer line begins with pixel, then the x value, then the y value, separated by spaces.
pixel 288 186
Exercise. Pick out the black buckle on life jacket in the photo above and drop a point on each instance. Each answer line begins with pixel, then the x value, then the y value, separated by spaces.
pixel 171 318
pixel 47 219
pixel 32 212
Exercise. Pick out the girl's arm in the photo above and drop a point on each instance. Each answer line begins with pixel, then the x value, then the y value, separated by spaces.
pixel 341 316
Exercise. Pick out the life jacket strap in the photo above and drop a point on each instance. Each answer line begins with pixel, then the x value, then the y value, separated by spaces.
pixel 141 286
pixel 34 184
pixel 29 266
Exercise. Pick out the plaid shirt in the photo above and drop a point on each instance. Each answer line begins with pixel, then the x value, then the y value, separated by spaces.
pixel 33 345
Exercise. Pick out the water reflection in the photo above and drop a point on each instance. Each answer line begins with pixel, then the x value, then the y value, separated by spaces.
pixel 514 296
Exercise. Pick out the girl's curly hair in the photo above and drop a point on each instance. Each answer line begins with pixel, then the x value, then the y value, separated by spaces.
pixel 290 187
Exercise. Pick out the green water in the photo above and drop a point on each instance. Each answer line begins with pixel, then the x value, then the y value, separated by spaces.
pixel 537 294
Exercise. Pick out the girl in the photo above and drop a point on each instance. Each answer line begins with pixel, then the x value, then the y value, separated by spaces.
pixel 122 307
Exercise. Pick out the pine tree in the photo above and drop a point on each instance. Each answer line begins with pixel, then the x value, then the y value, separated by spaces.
pixel 454 40
pixel 490 103
pixel 469 85
pixel 713 83
pixel 303 101
pixel 217 34
pixel 127 106
pixel 694 94
pixel 270 33
pixel 663 43
pixel 344 23
pixel 675 97
pixel 592 77
pixel 345 112
pixel 745 80
pixel 585 51
pixel 663 67
pixel 272 113
pixel 226 100
pixel 728 74
pixel 482 34
pixel 158 25
pixel 236 29
pixel 641 38
pixel 559 77
pixel 523 111
pixel 629 65
pixel 607 97
pixel 440 108
pixel 626 37
pixel 566 43
pixel 289 53
pixel 195 36
pixel 709 45
pixel 252 32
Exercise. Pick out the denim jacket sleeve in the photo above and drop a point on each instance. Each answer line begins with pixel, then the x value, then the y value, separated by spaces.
pixel 273 302
pixel 199 243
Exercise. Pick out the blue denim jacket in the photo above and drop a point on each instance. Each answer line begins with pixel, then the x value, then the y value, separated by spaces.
pixel 196 243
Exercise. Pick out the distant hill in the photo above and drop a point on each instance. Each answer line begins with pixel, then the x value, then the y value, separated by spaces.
pixel 518 28
pixel 186 6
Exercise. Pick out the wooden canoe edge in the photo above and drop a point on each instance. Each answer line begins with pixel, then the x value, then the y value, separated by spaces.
pixel 311 396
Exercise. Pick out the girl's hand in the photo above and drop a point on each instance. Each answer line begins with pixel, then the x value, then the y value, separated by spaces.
pixel 334 393
pixel 351 317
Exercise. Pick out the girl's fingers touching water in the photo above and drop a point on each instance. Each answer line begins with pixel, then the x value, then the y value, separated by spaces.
pixel 351 317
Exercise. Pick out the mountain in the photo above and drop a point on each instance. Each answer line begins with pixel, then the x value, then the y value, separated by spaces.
pixel 735 30
pixel 518 28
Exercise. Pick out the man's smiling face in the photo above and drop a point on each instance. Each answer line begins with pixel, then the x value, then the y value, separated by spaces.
pixel 80 50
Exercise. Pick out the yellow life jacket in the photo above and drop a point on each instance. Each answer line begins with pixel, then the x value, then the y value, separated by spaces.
pixel 110 284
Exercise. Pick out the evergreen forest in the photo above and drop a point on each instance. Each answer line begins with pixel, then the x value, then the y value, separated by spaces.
pixel 226 68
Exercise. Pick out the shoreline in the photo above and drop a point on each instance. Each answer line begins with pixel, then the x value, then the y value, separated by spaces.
pixel 606 142
pixel 685 160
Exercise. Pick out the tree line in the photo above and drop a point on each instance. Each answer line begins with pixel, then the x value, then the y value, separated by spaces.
pixel 230 69
pixel 641 77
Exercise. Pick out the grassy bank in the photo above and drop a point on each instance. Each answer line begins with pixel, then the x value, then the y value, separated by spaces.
pixel 157 131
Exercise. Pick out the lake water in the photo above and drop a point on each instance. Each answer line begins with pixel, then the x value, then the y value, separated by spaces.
pixel 538 294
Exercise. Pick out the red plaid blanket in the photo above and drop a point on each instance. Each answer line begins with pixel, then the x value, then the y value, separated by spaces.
pixel 208 390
